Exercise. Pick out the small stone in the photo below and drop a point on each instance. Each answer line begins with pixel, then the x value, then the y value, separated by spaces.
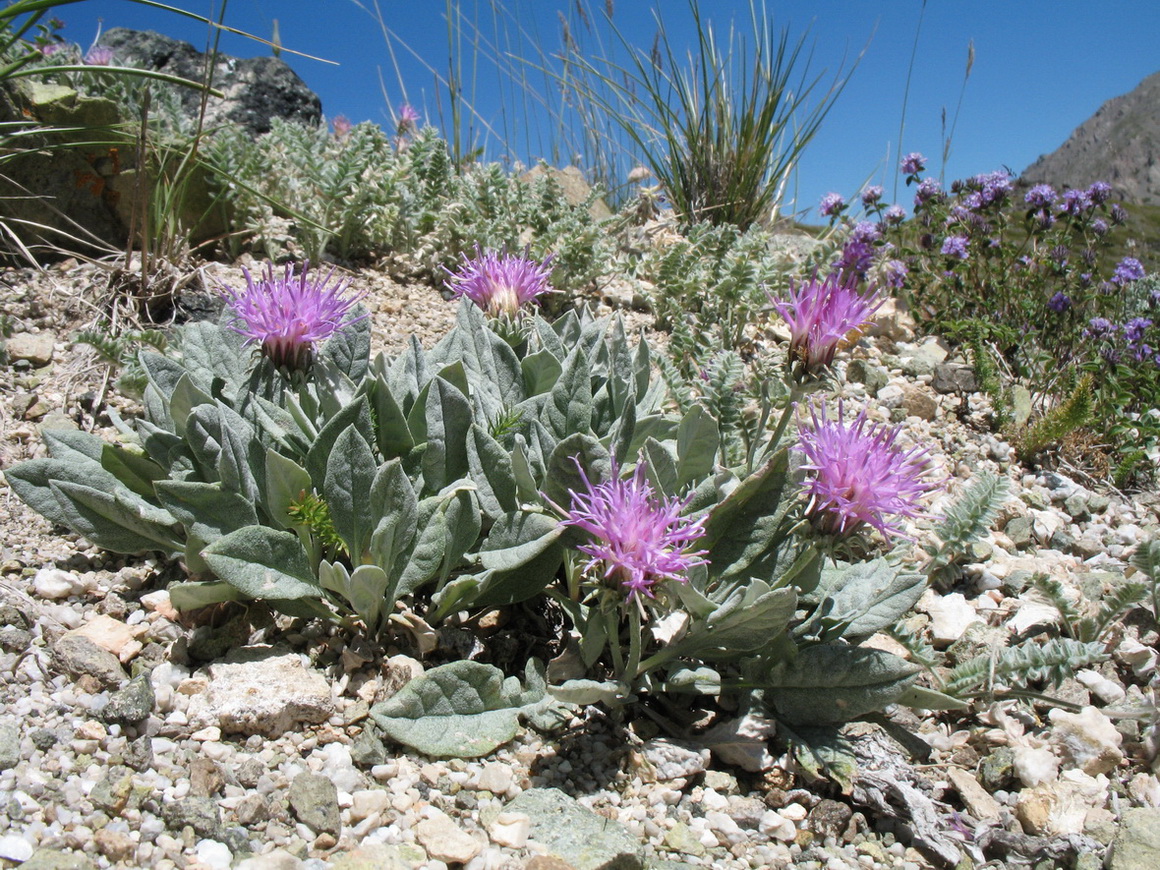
pixel 252 810
pixel 682 840
pixel 996 770
pixel 666 759
pixel 1034 764
pixel 114 845
pixel 55 584
pixel 9 745
pixel 279 859
pixel 205 778
pixel 132 703
pixel 443 839
pixel 949 616
pixel 36 349
pixel 721 781
pixel 1106 690
pixel 829 818
pixel 1088 739
pixel 314 800
pixel 258 691
pixel 53 859
pixel 380 856
pixel 495 778
pixel 199 813
pixel 978 802
pixel 1060 808
pixel 510 830
pixel 369 802
pixel 249 771
pixel 954 378
pixel 861 371
pixel 112 791
pixel 1019 530
pixel 918 401
pixel 79 656
pixel 367 750
pixel 14 847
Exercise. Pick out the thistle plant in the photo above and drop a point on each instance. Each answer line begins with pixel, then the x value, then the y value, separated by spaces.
pixel 288 315
pixel 476 474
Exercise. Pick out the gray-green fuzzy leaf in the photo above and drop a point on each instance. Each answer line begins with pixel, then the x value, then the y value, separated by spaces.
pixel 205 509
pixel 459 710
pixel 491 471
pixel 350 471
pixel 871 595
pixel 831 683
pixel 263 563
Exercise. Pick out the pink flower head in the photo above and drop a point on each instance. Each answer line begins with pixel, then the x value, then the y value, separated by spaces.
pixel 288 315
pixel 639 538
pixel 99 55
pixel 858 476
pixel 823 316
pixel 408 118
pixel 342 126
pixel 500 284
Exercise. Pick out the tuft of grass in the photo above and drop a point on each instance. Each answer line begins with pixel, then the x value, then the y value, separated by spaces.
pixel 721 131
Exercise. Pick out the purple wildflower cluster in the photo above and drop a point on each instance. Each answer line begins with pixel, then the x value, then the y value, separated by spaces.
pixel 832 205
pixel 823 315
pixel 913 163
pixel 501 283
pixel 859 476
pixel 639 538
pixel 1136 339
pixel 288 315
pixel 1128 270
pixel 956 246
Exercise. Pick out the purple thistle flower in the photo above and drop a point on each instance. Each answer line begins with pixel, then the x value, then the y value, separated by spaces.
pixel 500 284
pixel 639 537
pixel 859 477
pixel 288 315
pixel 955 246
pixel 823 316
pixel 1128 270
pixel 99 55
pixel 913 163
pixel 1040 196
pixel 342 126
pixel 1059 303
pixel 1100 192
pixel 896 214
pixel 831 205
pixel 408 118
pixel 872 194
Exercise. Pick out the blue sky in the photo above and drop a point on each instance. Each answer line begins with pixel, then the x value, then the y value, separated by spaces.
pixel 1040 69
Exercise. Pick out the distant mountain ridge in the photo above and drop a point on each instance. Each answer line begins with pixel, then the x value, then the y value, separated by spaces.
pixel 1119 144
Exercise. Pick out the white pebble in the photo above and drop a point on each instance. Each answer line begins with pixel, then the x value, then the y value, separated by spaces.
pixel 53 583
pixel 15 848
pixel 215 855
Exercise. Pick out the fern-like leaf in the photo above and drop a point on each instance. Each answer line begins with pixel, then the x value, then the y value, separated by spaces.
pixel 967 520
pixel 1018 667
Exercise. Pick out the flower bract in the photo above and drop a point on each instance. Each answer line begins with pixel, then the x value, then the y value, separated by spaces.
pixel 824 314
pixel 858 476
pixel 288 314
pixel 500 284
pixel 639 538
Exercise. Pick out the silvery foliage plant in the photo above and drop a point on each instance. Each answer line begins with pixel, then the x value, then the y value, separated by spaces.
pixel 515 460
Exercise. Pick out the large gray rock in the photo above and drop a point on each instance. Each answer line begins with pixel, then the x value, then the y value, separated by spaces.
pixel 575 834
pixel 1137 843
pixel 256 89
pixel 314 800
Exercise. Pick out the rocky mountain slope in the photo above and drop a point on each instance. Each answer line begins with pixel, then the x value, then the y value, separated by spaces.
pixel 1120 144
